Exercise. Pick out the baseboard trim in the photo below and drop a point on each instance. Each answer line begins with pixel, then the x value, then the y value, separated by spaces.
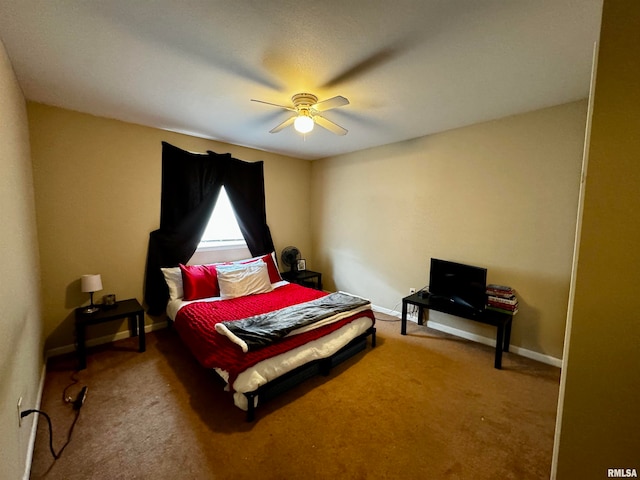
pixel 523 352
pixel 54 352
pixel 34 426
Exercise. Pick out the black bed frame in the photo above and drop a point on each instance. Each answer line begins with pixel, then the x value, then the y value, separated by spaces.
pixel 295 377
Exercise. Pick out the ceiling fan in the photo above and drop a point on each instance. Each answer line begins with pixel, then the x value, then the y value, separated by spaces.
pixel 307 113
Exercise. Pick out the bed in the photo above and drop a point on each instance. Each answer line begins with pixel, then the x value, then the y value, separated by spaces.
pixel 261 334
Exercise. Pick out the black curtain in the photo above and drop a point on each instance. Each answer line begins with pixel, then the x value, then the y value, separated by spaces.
pixel 191 183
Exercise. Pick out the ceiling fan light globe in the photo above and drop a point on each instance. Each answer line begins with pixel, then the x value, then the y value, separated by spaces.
pixel 303 124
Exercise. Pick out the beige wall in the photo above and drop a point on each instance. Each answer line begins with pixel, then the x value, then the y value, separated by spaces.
pixel 599 417
pixel 97 184
pixel 21 362
pixel 501 195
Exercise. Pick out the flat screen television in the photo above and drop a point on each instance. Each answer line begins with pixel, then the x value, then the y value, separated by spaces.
pixel 464 285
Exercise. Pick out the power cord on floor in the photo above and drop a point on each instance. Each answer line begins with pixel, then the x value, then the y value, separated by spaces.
pixel 74 379
pixel 392 313
pixel 77 405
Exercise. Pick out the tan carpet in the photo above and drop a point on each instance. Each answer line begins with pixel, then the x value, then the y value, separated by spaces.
pixel 426 405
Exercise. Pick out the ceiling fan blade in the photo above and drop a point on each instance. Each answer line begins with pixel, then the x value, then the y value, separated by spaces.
pixel 329 125
pixel 274 105
pixel 334 102
pixel 373 61
pixel 283 125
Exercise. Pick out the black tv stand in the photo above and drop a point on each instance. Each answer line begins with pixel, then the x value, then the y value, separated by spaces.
pixel 502 321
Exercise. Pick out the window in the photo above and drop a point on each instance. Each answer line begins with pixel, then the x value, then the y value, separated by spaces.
pixel 222 229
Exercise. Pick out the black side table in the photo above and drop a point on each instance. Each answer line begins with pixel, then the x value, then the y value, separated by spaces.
pixel 308 278
pixel 130 309
pixel 502 321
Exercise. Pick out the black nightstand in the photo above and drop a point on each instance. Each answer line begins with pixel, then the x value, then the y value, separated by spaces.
pixel 130 309
pixel 308 278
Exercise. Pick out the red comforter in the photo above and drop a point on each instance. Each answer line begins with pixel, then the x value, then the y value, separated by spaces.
pixel 196 322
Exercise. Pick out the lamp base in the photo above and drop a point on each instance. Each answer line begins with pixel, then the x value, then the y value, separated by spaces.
pixel 91 308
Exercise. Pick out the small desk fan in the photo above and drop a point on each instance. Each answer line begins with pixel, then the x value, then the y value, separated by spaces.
pixel 290 256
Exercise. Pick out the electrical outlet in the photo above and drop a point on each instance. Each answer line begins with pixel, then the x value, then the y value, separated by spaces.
pixel 19 412
pixel 412 290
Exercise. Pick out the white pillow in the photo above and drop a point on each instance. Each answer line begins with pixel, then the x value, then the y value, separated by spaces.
pixel 238 280
pixel 173 277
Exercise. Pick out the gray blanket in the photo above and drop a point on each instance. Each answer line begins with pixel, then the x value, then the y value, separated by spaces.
pixel 261 330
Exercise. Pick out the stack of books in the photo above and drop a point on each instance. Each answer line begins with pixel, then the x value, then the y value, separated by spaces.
pixel 502 299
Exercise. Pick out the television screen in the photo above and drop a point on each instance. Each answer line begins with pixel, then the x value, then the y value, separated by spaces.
pixel 458 283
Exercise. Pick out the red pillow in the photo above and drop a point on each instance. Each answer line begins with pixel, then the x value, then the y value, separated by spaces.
pixel 274 274
pixel 199 281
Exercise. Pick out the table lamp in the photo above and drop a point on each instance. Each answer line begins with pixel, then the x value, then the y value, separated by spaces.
pixel 91 283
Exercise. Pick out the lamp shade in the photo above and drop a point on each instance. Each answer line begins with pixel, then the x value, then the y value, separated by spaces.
pixel 91 283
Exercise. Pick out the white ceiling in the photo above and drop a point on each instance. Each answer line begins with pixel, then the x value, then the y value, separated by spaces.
pixel 409 67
